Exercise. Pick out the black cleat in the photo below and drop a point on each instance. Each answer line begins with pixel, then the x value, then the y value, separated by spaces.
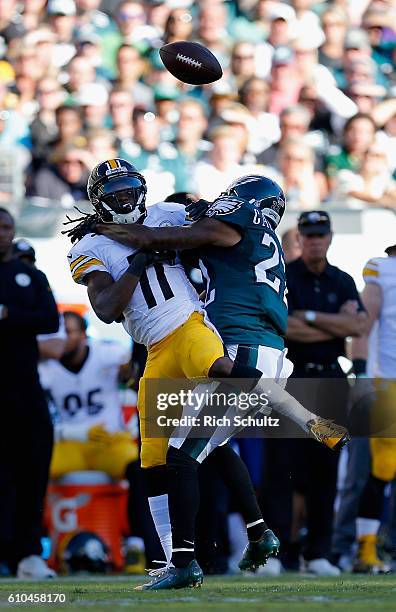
pixel 175 578
pixel 257 553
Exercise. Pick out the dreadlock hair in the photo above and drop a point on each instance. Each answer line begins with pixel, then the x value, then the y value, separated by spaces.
pixel 86 225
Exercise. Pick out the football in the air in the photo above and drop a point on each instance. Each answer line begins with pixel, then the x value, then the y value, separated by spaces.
pixel 191 62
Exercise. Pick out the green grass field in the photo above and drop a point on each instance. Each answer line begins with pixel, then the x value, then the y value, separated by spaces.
pixel 293 592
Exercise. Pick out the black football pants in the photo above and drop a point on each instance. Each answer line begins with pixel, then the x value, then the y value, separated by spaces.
pixel 26 438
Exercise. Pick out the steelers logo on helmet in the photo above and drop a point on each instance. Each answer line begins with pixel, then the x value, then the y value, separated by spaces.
pixel 117 192
pixel 263 192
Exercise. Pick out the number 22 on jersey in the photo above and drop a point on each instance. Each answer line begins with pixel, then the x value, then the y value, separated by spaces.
pixel 270 265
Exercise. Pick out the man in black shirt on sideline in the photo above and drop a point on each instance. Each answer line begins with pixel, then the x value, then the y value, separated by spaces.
pixel 324 309
pixel 27 308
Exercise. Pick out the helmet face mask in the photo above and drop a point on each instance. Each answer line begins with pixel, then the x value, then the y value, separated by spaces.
pixel 263 192
pixel 117 192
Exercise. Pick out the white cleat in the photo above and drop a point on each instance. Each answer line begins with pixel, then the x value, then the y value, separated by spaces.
pixel 34 567
pixel 322 567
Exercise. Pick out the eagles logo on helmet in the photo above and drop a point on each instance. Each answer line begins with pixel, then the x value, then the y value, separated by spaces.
pixel 223 206
pixel 262 192
pixel 117 192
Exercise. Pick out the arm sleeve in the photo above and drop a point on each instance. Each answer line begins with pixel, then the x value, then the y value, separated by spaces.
pixel 371 272
pixel 44 318
pixel 82 262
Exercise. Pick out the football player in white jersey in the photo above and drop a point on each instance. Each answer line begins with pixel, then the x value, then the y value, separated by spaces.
pixel 158 307
pixel 379 299
pixel 83 387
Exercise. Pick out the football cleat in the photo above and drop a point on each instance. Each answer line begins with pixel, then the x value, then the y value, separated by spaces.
pixel 175 578
pixel 367 560
pixel 257 553
pixel 328 433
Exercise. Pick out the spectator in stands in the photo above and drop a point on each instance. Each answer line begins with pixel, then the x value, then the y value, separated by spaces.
pixel 93 100
pixel 101 144
pixel 10 26
pixel 121 111
pixel 179 26
pixel 131 21
pixel 293 123
pixel 27 309
pixel 64 178
pixel 372 184
pixel 304 188
pixel 222 164
pixel 212 29
pixel 62 19
pixel 43 41
pixel 284 80
pixel 43 128
pixel 358 135
pixel 80 72
pixel 254 94
pixel 242 63
pixel 33 14
pixel 69 123
pixel 334 25
pixel 130 68
pixel 366 96
pixel 280 18
pixel 146 149
pixel 189 143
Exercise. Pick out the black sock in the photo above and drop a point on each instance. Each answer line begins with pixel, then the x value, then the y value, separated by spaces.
pixel 237 478
pixel 183 491
pixel 156 480
pixel 372 499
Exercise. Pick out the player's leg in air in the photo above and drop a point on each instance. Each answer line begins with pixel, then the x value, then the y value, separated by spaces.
pixel 199 352
pixel 184 457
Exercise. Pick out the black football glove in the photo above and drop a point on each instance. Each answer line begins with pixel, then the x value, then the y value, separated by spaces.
pixel 168 256
pixel 196 210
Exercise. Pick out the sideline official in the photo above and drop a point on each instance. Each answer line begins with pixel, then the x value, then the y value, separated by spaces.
pixel 27 308
pixel 324 309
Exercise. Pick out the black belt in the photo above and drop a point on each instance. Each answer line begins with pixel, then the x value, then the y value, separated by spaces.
pixel 319 367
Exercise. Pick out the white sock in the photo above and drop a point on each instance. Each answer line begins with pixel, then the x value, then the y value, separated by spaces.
pixel 366 526
pixel 284 403
pixel 160 512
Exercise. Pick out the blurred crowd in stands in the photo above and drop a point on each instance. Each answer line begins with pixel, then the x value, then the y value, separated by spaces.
pixel 308 96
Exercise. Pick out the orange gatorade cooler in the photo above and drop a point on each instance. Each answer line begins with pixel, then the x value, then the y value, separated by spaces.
pixel 87 501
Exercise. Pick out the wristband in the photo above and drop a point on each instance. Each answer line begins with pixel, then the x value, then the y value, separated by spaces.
pixel 138 264
pixel 359 366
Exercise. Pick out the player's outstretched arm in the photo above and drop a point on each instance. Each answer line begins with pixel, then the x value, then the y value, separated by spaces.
pixel 202 233
pixel 109 298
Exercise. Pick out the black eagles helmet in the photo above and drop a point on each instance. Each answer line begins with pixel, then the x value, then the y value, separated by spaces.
pixel 263 191
pixel 117 191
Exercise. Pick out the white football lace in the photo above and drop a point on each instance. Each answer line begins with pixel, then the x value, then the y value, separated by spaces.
pixel 188 60
pixel 158 570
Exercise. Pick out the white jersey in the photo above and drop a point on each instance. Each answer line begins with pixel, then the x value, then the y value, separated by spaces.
pixel 164 298
pixel 382 271
pixel 90 396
